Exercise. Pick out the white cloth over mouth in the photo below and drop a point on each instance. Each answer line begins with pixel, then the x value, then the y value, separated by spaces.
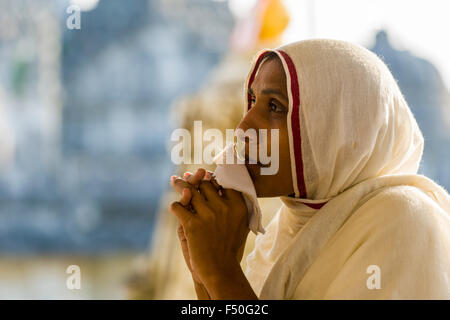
pixel 232 174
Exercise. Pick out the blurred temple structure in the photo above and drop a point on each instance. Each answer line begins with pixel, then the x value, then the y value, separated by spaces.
pixel 85 123
pixel 429 100
pixel 90 113
pixel 86 116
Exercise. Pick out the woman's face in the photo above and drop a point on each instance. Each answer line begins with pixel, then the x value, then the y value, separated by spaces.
pixel 269 108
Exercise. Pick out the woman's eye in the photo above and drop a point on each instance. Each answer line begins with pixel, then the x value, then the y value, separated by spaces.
pixel 252 101
pixel 274 108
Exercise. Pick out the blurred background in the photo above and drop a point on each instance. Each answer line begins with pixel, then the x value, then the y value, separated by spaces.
pixel 86 116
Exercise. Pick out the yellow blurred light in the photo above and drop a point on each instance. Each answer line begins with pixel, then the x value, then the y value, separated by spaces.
pixel 274 20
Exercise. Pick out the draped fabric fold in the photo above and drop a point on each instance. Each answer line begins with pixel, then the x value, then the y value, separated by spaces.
pixel 355 149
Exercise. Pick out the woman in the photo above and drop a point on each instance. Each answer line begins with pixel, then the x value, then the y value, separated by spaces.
pixel 357 220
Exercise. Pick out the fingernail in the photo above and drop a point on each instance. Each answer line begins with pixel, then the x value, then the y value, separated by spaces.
pixel 173 178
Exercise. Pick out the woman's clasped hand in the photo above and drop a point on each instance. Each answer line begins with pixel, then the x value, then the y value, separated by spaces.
pixel 212 226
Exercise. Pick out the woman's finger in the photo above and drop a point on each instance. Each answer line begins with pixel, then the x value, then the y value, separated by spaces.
pixel 180 212
pixel 179 184
pixel 185 197
pixel 208 175
pixel 180 232
pixel 186 175
pixel 214 182
pixel 216 185
pixel 209 192
pixel 197 177
pixel 199 204
pixel 232 195
pixel 184 245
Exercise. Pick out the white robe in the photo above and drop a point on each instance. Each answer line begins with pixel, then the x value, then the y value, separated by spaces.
pixel 398 236
pixel 384 232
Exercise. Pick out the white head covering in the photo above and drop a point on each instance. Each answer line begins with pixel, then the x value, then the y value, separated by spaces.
pixel 351 132
pixel 347 120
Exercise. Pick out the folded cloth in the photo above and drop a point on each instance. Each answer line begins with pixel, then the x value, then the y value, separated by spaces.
pixel 232 173
pixel 355 144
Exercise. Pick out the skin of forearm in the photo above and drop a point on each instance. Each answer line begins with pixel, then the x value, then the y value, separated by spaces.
pixel 202 293
pixel 230 285
pixel 200 289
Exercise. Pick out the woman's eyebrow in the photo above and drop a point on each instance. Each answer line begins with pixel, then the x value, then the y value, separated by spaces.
pixel 275 92
pixel 270 91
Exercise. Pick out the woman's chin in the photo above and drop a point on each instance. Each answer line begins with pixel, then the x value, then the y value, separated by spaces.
pixel 262 184
pixel 267 186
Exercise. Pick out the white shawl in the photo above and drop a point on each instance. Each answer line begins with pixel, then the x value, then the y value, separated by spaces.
pixel 363 224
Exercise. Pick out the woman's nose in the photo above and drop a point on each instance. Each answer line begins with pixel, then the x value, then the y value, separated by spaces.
pixel 251 120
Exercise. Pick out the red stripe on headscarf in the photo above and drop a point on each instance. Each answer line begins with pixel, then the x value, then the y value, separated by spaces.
pixel 295 121
pixel 295 124
pixel 315 205
pixel 252 77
